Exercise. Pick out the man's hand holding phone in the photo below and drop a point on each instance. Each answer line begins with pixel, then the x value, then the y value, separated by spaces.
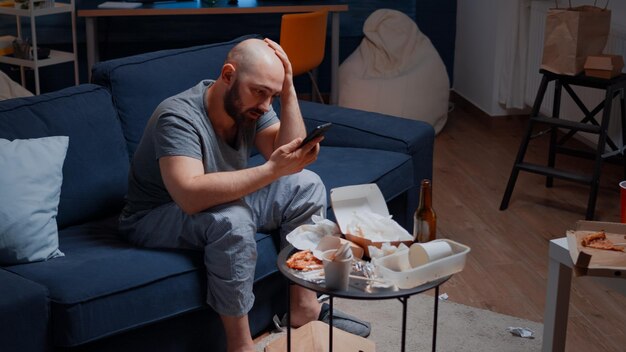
pixel 286 160
pixel 317 132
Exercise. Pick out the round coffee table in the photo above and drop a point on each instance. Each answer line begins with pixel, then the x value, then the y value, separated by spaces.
pixel 360 290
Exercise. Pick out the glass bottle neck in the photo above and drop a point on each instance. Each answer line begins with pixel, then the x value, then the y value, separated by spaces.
pixel 426 198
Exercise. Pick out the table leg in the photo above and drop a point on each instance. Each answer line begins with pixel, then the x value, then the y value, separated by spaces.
pixel 557 304
pixel 404 304
pixel 334 59
pixel 435 318
pixel 622 104
pixel 330 327
pixel 289 317
pixel 91 32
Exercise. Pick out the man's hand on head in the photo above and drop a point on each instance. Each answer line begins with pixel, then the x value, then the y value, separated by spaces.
pixel 288 82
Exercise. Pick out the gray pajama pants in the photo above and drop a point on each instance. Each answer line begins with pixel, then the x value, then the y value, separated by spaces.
pixel 226 233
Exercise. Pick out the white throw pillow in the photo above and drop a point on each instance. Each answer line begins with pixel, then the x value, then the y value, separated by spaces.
pixel 30 187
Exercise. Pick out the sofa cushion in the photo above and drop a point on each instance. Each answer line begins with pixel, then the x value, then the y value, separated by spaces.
pixel 338 167
pixel 96 166
pixel 343 166
pixel 105 286
pixel 28 207
pixel 23 314
pixel 139 83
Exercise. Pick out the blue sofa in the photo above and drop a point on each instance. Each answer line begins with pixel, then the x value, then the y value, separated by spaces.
pixel 106 294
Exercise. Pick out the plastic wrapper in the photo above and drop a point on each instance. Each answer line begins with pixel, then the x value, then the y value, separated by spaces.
pixel 521 332
pixel 309 236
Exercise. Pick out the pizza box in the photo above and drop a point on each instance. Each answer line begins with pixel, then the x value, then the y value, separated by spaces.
pixel 597 262
pixel 313 337
pixel 349 200
pixel 397 269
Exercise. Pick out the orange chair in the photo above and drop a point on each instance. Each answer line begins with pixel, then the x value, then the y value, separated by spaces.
pixel 303 37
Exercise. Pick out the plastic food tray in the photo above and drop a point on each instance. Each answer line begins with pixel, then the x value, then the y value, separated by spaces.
pixel 396 268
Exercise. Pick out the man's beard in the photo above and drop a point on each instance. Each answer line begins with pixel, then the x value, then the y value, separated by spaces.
pixel 234 107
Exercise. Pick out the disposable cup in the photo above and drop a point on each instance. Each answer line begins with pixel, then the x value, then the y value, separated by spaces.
pixel 422 253
pixel 336 272
pixel 622 187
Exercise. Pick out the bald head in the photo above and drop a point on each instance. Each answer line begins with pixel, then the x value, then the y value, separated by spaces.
pixel 254 56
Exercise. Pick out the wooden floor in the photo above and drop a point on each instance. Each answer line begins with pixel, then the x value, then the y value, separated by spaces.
pixel 506 270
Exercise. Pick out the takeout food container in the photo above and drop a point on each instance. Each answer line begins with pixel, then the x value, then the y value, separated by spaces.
pixel 604 66
pixel 350 199
pixel 597 262
pixel 397 269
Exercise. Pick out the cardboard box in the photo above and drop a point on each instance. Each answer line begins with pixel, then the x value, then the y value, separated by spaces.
pixel 597 262
pixel 313 337
pixel 350 199
pixel 604 66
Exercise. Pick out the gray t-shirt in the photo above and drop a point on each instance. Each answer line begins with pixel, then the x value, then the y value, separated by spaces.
pixel 180 127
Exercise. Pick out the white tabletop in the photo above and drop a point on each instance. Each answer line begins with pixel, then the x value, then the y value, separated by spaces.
pixel 559 251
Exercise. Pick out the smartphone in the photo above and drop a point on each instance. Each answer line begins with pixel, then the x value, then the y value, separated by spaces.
pixel 317 131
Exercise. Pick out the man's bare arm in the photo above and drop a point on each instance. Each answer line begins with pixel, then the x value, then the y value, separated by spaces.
pixel 195 191
pixel 291 122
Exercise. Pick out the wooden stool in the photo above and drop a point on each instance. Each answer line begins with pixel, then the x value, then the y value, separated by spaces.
pixel 613 87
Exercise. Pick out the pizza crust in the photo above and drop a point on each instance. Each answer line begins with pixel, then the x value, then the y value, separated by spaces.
pixel 598 240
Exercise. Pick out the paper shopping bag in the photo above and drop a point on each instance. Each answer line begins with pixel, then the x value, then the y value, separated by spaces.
pixel 571 35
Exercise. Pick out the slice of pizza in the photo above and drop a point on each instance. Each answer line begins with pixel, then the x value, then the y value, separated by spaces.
pixel 304 260
pixel 598 240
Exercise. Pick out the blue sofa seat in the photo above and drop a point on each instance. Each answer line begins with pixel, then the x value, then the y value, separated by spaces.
pixel 102 276
pixel 106 294
pixel 24 314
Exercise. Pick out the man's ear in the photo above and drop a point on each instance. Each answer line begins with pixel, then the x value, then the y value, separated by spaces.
pixel 228 73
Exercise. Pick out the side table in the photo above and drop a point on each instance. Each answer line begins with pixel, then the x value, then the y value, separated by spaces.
pixel 557 297
pixel 357 290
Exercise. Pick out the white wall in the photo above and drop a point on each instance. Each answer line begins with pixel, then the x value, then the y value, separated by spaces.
pixel 480 35
pixel 474 56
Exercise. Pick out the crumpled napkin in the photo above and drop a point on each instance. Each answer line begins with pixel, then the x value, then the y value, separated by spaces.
pixel 376 227
pixel 309 236
pixel 521 332
pixel 385 250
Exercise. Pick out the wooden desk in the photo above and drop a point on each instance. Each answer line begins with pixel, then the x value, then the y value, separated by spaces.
pixel 91 13
pixel 557 297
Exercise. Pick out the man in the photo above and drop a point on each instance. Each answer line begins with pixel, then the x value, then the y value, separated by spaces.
pixel 189 185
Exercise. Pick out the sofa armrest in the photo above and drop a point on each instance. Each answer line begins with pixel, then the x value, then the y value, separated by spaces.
pixel 363 129
pixel 23 314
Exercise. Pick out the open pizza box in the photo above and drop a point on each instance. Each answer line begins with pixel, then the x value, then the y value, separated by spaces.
pixel 597 262
pixel 350 200
pixel 313 337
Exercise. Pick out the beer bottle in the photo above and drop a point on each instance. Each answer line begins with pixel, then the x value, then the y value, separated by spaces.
pixel 425 220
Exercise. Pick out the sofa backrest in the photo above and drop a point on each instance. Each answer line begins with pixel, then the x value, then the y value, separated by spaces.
pixel 95 171
pixel 139 83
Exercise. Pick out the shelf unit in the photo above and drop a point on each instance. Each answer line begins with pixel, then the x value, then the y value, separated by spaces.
pixel 56 56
